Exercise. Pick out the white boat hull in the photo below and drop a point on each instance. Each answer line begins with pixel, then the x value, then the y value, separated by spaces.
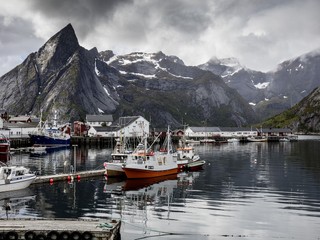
pixel 114 169
pixel 16 184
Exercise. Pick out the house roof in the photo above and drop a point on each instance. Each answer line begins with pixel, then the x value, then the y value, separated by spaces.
pixel 21 125
pixel 103 129
pixel 99 118
pixel 20 119
pixel 205 129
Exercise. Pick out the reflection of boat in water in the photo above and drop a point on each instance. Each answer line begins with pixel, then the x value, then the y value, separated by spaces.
pixel 12 202
pixel 14 177
pixel 139 183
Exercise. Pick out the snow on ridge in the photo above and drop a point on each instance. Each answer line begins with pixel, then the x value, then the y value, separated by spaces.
pixel 95 68
pixel 252 104
pixel 100 111
pixel 109 95
pixel 262 85
pixel 231 73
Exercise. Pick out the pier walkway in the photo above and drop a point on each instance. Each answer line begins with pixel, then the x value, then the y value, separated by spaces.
pixel 86 229
pixel 69 176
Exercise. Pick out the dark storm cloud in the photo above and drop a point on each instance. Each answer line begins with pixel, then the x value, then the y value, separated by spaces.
pixel 261 33
pixel 82 13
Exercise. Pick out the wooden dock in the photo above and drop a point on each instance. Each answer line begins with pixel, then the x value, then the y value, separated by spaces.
pixel 77 229
pixel 69 176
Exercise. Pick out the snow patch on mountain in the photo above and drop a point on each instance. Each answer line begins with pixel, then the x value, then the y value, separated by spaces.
pixel 262 85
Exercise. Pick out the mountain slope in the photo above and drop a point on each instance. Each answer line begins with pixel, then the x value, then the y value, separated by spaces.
pixel 58 77
pixel 303 117
pixel 65 77
pixel 275 91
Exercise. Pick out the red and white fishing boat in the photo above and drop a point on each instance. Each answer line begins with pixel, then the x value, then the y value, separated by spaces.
pixel 145 163
pixel 4 144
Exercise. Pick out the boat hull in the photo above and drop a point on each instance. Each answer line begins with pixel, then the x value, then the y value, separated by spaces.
pixel 148 173
pixel 47 140
pixel 4 148
pixel 17 184
pixel 114 170
pixel 196 165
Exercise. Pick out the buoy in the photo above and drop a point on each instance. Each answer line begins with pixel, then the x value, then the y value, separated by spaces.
pixel 78 177
pixel 51 181
pixel 69 178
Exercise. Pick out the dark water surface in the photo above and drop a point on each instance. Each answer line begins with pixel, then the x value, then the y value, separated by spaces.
pixel 246 191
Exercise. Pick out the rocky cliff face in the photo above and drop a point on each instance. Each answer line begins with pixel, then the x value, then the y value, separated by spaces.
pixel 60 76
pixel 303 117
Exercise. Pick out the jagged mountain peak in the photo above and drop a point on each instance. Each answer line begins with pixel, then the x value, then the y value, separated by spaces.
pixel 58 48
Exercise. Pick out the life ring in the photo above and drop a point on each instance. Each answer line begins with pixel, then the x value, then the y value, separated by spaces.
pixel 53 235
pixel 30 235
pixel 64 236
pixel 12 235
pixel 87 235
pixel 41 236
pixel 75 235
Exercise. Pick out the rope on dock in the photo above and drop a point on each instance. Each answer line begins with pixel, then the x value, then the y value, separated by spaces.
pixel 162 232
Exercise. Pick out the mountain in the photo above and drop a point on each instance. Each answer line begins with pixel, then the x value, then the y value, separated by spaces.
pixel 272 92
pixel 303 117
pixel 62 76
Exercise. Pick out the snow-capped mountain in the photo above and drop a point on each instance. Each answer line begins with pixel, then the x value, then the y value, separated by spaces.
pixel 64 76
pixel 272 92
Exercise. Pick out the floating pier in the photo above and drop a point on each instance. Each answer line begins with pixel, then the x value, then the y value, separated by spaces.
pixel 69 176
pixel 85 229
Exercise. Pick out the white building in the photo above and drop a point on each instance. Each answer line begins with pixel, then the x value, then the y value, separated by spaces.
pixel 133 126
pixel 99 120
pixel 20 129
pixel 209 132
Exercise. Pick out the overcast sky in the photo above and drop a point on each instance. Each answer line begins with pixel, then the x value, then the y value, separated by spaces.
pixel 260 33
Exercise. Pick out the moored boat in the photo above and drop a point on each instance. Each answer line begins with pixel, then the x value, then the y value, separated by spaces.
pixel 4 144
pixel 145 163
pixel 257 139
pixel 51 135
pixel 15 177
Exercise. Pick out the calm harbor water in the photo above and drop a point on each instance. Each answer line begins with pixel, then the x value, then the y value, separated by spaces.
pixel 245 191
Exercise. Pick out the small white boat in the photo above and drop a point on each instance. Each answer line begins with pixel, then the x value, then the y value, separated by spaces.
pixel 14 177
pixel 257 139
pixel 284 140
pixel 233 140
pixel 207 140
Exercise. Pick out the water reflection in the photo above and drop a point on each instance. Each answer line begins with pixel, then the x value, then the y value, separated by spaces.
pixel 254 191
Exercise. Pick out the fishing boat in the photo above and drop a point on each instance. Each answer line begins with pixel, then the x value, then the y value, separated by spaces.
pixel 145 163
pixel 118 158
pixel 51 135
pixel 4 144
pixel 14 177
